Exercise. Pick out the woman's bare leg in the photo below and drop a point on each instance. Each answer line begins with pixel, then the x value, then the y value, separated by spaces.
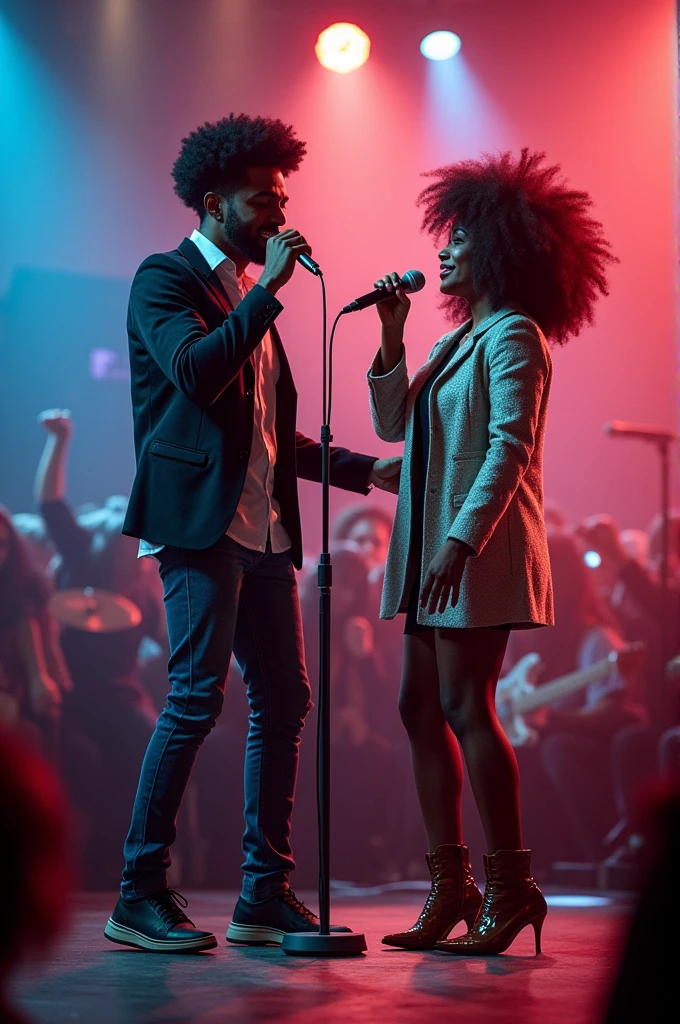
pixel 469 664
pixel 435 755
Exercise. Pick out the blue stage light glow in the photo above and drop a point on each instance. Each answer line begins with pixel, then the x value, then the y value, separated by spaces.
pixel 577 900
pixel 440 45
pixel 592 559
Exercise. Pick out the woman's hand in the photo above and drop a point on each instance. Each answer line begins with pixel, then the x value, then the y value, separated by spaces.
pixel 394 308
pixel 442 582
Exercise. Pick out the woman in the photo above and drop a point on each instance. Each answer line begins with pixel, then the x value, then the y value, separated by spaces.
pixel 468 557
pixel 33 674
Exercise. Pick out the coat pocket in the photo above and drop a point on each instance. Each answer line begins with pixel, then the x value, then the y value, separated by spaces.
pixel 465 469
pixel 168 450
pixel 469 456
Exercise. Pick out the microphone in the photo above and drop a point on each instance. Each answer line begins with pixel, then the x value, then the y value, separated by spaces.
pixel 640 431
pixel 309 264
pixel 411 281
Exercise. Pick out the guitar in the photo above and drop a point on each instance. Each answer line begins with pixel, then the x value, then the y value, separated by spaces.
pixel 517 694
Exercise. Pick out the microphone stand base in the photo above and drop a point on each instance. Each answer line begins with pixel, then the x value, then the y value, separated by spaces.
pixel 315 944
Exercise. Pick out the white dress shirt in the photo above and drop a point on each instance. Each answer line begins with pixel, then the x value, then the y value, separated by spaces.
pixel 258 516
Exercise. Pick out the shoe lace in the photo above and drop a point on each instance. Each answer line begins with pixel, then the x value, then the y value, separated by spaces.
pixel 429 903
pixel 289 897
pixel 168 905
pixel 436 888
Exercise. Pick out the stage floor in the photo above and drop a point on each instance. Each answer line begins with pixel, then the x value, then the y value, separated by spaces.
pixel 86 978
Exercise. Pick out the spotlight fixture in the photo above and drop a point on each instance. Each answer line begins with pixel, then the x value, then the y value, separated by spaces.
pixel 440 45
pixel 342 47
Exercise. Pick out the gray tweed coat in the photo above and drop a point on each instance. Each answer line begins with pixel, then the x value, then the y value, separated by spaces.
pixel 484 481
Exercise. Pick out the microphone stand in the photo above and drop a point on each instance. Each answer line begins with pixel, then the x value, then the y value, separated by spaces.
pixel 324 942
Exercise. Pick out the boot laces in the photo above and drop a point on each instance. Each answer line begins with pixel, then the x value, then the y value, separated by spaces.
pixel 168 905
pixel 289 897
pixel 435 891
pixel 429 902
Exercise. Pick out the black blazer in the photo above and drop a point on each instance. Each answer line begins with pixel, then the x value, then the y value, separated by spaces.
pixel 193 405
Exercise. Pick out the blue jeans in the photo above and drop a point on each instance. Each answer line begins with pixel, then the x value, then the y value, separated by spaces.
pixel 222 599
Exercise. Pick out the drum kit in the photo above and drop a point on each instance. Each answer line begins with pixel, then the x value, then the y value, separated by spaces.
pixel 94 610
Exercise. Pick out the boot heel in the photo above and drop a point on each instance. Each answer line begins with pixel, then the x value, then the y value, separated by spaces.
pixel 470 919
pixel 538 925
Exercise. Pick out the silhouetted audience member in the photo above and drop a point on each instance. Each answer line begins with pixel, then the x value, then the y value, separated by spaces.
pixel 33 673
pixel 32 529
pixel 109 717
pixel 645 986
pixel 631 582
pixel 627 580
pixel 366 777
pixel 367 529
pixel 641 581
pixel 554 517
pixel 565 762
pixel 35 856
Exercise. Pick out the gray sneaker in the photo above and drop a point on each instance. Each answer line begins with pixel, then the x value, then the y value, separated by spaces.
pixel 157 924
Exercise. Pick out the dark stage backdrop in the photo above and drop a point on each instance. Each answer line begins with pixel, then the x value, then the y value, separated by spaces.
pixel 67 348
pixel 97 95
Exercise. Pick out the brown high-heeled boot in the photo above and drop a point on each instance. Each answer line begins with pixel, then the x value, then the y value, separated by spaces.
pixel 453 897
pixel 512 900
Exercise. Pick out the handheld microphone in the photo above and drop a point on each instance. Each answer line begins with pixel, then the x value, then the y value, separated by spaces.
pixel 309 264
pixel 640 431
pixel 411 281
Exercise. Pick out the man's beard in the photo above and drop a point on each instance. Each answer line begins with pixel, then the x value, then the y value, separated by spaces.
pixel 240 236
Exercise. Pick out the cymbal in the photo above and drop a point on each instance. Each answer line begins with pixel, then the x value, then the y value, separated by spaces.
pixel 94 610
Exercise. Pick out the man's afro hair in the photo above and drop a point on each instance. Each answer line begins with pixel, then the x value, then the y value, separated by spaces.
pixel 534 240
pixel 216 155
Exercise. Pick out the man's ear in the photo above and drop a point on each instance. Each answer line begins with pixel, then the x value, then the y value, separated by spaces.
pixel 212 203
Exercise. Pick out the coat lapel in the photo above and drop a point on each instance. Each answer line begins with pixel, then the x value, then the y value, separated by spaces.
pixel 194 256
pixel 468 345
pixel 421 376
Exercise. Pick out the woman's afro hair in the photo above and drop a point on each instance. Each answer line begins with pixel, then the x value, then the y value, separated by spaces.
pixel 216 155
pixel 534 240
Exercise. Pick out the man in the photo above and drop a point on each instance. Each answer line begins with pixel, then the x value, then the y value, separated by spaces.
pixel 215 499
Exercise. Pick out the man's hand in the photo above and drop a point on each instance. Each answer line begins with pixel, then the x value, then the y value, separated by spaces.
pixel 442 582
pixel 57 422
pixel 283 250
pixel 385 474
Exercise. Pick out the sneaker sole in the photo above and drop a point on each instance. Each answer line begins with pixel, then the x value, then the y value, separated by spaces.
pixel 254 934
pixel 129 937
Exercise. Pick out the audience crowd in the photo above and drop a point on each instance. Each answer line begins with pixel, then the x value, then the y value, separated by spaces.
pixel 591 705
